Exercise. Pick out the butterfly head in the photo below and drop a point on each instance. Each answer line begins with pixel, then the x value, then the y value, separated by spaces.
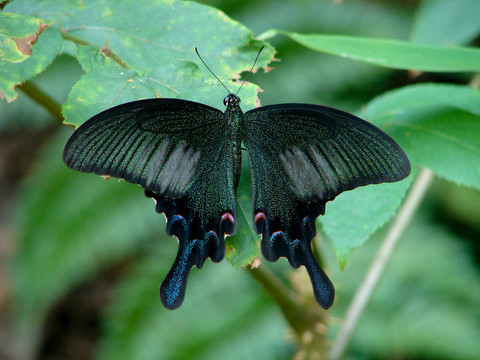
pixel 231 101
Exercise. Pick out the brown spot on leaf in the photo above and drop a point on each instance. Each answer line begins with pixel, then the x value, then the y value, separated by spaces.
pixel 25 44
pixel 106 51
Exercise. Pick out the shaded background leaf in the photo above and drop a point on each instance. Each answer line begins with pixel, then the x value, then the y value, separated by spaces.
pixel 446 22
pixel 390 53
pixel 68 236
pixel 427 303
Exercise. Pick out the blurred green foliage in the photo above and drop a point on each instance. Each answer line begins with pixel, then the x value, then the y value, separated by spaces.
pixel 71 227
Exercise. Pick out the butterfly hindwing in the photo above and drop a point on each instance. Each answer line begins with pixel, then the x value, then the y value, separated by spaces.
pixel 302 156
pixel 177 150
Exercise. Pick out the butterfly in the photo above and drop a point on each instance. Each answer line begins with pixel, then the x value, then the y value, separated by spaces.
pixel 187 156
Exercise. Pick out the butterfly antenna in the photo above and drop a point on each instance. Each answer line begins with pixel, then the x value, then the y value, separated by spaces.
pixel 216 77
pixel 251 70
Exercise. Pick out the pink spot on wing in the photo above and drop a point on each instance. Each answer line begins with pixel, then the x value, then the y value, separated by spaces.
pixel 277 233
pixel 228 216
pixel 260 215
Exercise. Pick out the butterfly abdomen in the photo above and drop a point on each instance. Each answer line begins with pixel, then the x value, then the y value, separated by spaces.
pixel 234 118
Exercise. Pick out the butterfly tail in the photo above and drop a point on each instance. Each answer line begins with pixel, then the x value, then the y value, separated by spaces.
pixel 190 252
pixel 172 290
pixel 291 238
pixel 323 289
pixel 300 253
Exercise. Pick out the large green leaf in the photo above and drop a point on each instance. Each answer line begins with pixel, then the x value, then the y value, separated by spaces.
pixel 147 35
pixel 355 215
pixel 157 52
pixel 447 141
pixel 393 54
pixel 446 22
pixel 437 124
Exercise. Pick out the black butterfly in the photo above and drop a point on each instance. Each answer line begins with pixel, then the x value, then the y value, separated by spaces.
pixel 187 156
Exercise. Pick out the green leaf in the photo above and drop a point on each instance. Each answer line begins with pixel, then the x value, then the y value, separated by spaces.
pixel 385 107
pixel 148 42
pixel 446 22
pixel 445 140
pixel 9 77
pixel 224 316
pixel 393 54
pixel 242 248
pixel 355 215
pixel 439 128
pixel 103 88
pixel 27 47
pixel 46 47
pixel 159 50
pixel 91 57
pixel 437 124
pixel 45 50
pixel 17 35
pixel 69 225
pixel 56 80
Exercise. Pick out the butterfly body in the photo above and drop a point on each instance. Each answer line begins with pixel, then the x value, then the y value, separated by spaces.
pixel 234 118
pixel 188 155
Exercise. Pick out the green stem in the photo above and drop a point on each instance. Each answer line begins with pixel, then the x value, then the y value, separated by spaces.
pixel 368 286
pixel 306 318
pixel 42 98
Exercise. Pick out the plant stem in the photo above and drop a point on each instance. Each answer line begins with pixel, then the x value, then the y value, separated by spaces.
pixel 366 289
pixel 288 302
pixel 42 98
pixel 306 318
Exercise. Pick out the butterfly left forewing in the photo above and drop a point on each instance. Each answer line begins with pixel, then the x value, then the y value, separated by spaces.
pixel 159 144
pixel 302 156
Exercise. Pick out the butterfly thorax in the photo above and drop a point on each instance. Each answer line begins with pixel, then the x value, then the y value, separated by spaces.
pixel 234 118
